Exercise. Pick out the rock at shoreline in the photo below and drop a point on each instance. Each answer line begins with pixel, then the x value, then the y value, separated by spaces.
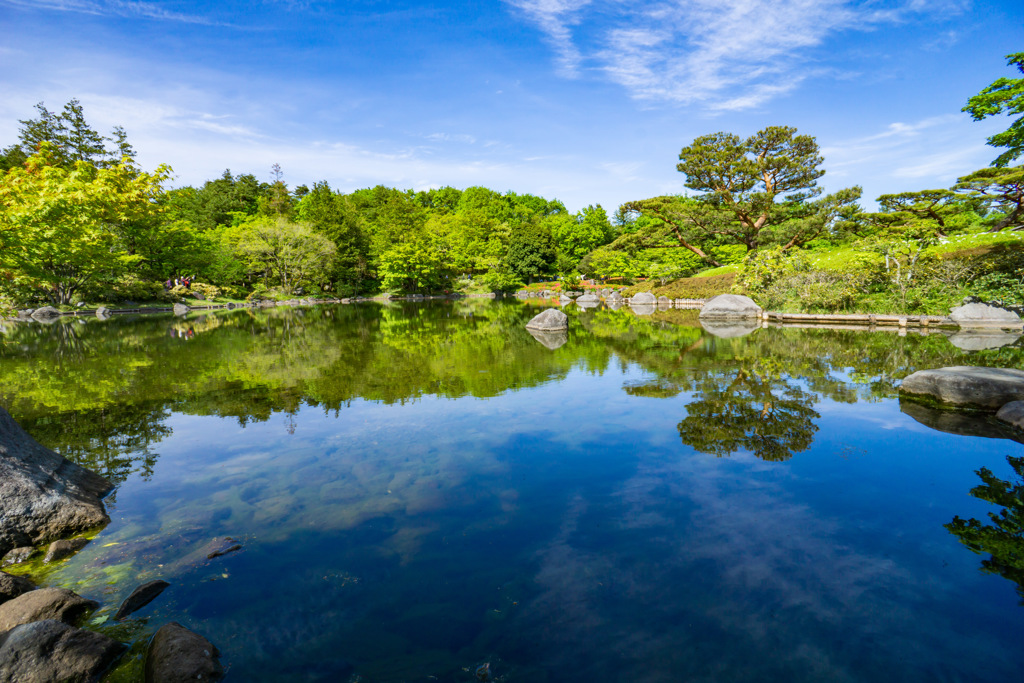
pixel 548 320
pixel 103 313
pixel 12 586
pixel 1012 414
pixel 974 387
pixel 181 309
pixel 564 300
pixel 589 298
pixel 44 603
pixel 984 315
pixel 58 550
pixel 964 424
pixel 140 597
pixel 18 555
pixel 47 651
pixel 45 313
pixel 177 654
pixel 730 307
pixel 616 297
pixel 643 298
pixel 43 496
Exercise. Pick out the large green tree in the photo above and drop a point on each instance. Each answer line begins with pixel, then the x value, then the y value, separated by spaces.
pixel 1004 95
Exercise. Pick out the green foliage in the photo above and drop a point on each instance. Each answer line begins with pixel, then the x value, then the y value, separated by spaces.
pixel 1003 95
pixel 282 252
pixel 500 281
pixel 687 287
pixel 1001 189
pixel 413 267
pixel 1003 538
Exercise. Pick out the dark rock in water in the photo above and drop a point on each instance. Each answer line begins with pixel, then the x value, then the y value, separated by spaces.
pixel 177 654
pixel 964 424
pixel 43 497
pixel 58 550
pixel 47 651
pixel 13 586
pixel 483 672
pixel 1012 414
pixel 221 546
pixel 730 307
pixel 45 312
pixel 549 320
pixel 140 597
pixel 18 555
pixel 973 387
pixel 230 306
pixel 44 603
pixel 180 309
pixel 551 339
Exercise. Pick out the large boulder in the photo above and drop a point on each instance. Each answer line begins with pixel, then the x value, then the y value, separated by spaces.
pixel 177 655
pixel 615 296
pixel 12 586
pixel 730 307
pixel 43 496
pixel 44 603
pixel 64 548
pixel 550 319
pixel 45 313
pixel 46 651
pixel 589 298
pixel 181 309
pixel 984 315
pixel 643 298
pixel 971 387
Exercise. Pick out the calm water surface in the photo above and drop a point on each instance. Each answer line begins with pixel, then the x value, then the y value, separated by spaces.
pixel 420 489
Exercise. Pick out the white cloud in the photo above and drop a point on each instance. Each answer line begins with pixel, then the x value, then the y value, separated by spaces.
pixel 725 54
pixel 120 8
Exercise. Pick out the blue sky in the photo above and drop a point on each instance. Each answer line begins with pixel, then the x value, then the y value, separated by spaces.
pixel 587 101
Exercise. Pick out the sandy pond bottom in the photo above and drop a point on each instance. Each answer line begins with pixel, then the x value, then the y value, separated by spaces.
pixel 423 490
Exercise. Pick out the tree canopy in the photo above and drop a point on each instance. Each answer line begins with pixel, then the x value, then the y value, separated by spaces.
pixel 1004 95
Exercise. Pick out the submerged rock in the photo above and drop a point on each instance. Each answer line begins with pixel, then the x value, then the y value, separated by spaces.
pixel 974 387
pixel 18 555
pixel 964 424
pixel 49 650
pixel 43 496
pixel 177 654
pixel 140 597
pixel 58 550
pixel 550 319
pixel 44 603
pixel 985 315
pixel 730 306
pixel 12 586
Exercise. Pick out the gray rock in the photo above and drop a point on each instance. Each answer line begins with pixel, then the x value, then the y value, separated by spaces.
pixel 730 306
pixel 44 603
pixel 615 296
pixel 729 329
pixel 231 306
pixel 47 651
pixel 43 497
pixel 664 300
pixel 103 313
pixel 573 294
pixel 140 597
pixel 564 300
pixel 589 298
pixel 26 313
pixel 180 309
pixel 18 555
pixel 984 315
pixel 973 387
pixel 978 339
pixel 964 424
pixel 198 296
pixel 1012 414
pixel 552 340
pixel 12 586
pixel 58 550
pixel 550 319
pixel 45 313
pixel 177 655
pixel 643 309
pixel 643 298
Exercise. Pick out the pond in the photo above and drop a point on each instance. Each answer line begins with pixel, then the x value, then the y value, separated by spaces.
pixel 422 489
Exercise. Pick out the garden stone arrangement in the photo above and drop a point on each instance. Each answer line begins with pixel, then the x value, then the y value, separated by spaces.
pixel 43 499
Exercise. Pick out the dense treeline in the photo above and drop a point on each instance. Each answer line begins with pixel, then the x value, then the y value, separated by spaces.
pixel 80 221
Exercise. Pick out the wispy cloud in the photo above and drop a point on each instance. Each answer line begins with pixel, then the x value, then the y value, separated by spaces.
pixel 120 8
pixel 724 54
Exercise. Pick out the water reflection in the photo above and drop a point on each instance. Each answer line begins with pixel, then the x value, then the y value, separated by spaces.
pixel 1002 539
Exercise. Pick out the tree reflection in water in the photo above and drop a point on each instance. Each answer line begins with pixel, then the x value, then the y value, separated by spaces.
pixel 1003 539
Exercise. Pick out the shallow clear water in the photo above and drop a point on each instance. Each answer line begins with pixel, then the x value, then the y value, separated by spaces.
pixel 424 488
